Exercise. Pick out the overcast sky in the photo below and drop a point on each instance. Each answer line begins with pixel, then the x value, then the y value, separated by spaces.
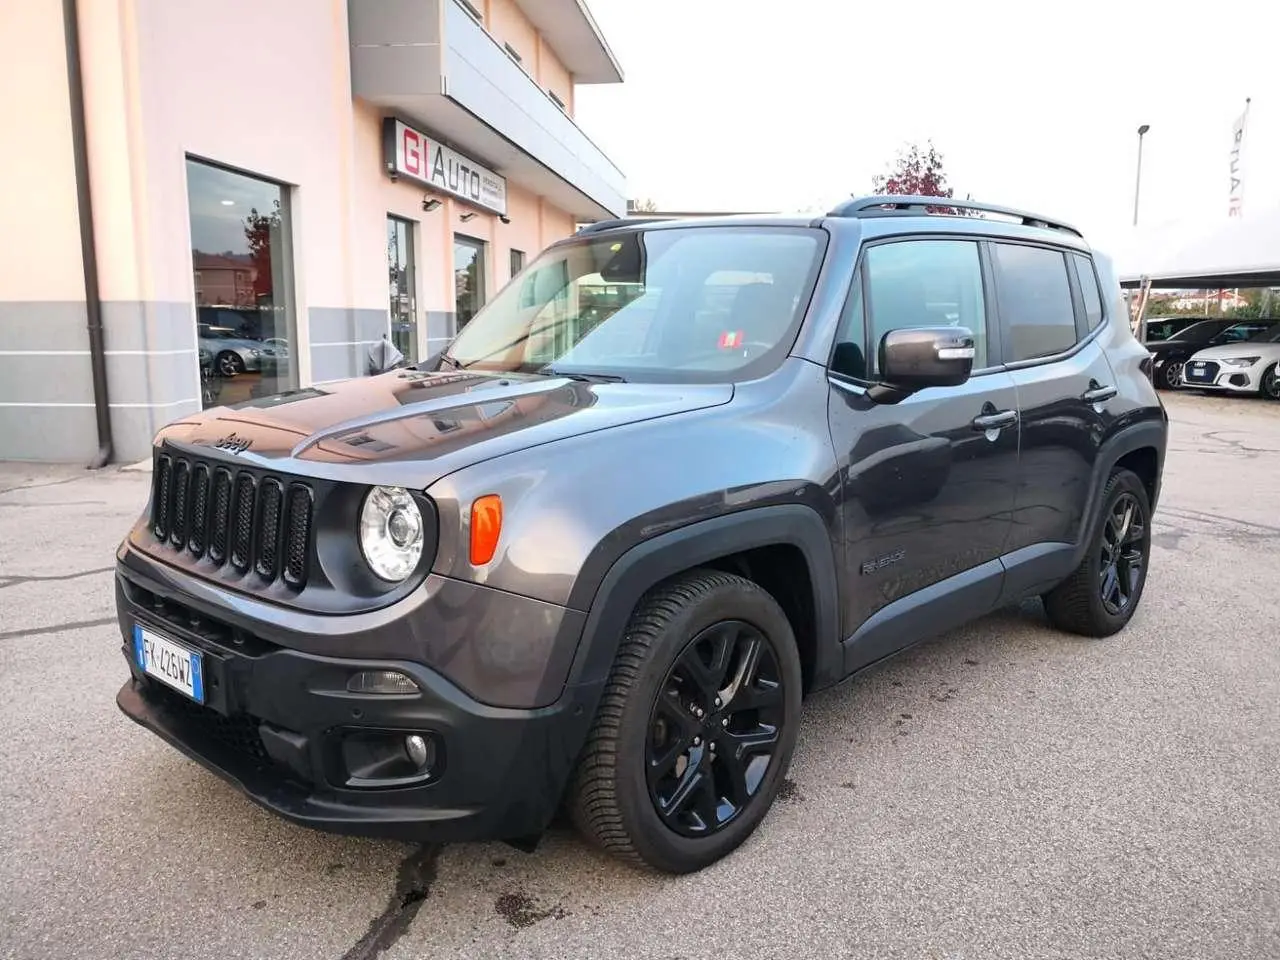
pixel 753 105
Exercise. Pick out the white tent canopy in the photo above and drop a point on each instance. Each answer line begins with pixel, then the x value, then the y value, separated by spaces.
pixel 1242 252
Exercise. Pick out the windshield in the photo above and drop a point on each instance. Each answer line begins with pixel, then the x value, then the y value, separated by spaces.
pixel 687 303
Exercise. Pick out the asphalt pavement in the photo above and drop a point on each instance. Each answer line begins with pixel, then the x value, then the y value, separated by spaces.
pixel 1003 792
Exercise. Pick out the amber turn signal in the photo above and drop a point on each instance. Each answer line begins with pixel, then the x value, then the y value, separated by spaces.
pixel 486 527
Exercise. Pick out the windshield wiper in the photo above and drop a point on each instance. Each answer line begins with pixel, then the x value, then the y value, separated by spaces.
pixel 584 377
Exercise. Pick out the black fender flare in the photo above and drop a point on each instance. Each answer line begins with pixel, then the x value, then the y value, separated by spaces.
pixel 654 560
pixel 1151 433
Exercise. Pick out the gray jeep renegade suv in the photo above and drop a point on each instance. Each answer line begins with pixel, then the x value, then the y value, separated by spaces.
pixel 675 477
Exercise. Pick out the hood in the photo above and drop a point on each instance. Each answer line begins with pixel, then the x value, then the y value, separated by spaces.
pixel 410 428
pixel 1241 348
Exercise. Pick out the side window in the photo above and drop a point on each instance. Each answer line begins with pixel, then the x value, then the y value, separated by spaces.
pixel 847 358
pixel 925 283
pixel 1089 290
pixel 1036 311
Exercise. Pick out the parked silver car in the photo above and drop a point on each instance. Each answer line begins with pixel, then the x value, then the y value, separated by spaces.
pixel 232 354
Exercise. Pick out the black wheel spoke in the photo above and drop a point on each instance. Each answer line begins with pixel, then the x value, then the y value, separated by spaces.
pixel 708 662
pixel 706 804
pixel 757 740
pixel 733 767
pixel 685 791
pixel 761 695
pixel 745 673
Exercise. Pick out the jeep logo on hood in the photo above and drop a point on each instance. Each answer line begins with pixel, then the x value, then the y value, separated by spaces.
pixel 233 444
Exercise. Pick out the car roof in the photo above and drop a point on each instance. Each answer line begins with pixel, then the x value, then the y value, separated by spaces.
pixel 880 216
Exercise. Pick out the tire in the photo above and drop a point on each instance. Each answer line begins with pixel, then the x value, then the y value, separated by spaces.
pixel 1171 375
pixel 1270 384
pixel 1086 603
pixel 229 363
pixel 649 706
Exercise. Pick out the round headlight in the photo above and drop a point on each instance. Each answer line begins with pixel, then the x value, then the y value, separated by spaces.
pixel 391 532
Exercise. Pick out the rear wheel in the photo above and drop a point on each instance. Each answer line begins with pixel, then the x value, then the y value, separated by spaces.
pixel 696 728
pixel 1270 386
pixel 1100 597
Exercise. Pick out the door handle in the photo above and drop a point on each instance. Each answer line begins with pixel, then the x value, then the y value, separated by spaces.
pixel 995 421
pixel 1097 394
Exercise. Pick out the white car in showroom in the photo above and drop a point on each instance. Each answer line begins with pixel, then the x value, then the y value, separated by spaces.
pixel 1246 366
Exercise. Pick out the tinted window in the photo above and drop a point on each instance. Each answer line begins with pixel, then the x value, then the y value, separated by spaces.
pixel 924 283
pixel 848 357
pixel 1035 301
pixel 1089 290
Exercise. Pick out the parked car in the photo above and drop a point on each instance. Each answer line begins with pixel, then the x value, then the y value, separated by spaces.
pixel 232 354
pixel 601 564
pixel 1171 354
pixel 1246 366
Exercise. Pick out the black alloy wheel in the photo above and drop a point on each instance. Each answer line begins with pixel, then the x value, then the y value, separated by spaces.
pixel 1103 592
pixel 1171 374
pixel 695 729
pixel 1271 382
pixel 1124 535
pixel 714 728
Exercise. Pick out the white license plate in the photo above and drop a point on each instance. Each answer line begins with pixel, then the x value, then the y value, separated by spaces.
pixel 169 662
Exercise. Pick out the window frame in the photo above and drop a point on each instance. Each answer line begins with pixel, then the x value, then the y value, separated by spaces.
pixel 1077 304
pixel 995 345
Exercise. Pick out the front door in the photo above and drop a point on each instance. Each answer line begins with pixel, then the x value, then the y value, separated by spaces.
pixel 927 484
pixel 400 287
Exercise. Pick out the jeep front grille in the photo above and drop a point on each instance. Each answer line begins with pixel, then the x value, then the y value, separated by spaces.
pixel 245 518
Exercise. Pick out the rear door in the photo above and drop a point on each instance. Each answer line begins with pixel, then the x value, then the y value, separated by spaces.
pixel 1049 309
pixel 925 485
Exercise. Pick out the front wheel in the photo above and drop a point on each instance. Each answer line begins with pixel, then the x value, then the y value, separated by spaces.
pixel 1171 375
pixel 1270 387
pixel 696 727
pixel 230 364
pixel 1100 597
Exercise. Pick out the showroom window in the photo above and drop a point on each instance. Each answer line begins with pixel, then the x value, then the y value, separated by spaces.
pixel 468 269
pixel 242 273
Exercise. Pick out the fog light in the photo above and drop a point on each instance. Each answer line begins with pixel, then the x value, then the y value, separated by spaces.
pixel 387 682
pixel 417 749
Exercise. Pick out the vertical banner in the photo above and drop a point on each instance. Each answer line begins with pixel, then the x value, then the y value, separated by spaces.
pixel 1236 200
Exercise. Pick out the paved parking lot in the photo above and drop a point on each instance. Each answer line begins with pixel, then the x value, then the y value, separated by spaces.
pixel 1005 791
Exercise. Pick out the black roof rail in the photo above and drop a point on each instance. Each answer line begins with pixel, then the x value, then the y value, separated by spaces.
pixel 891 204
pixel 601 225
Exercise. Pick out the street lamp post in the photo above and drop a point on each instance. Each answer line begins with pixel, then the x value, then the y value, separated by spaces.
pixel 1137 187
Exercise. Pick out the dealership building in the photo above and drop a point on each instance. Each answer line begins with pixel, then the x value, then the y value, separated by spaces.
pixel 213 201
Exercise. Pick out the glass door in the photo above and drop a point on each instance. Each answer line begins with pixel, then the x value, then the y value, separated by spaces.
pixel 400 287
pixel 241 265
pixel 468 269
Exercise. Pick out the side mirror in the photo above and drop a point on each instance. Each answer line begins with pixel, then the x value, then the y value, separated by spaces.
pixel 914 358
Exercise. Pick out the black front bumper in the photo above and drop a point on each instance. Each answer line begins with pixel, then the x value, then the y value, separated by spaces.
pixel 274 719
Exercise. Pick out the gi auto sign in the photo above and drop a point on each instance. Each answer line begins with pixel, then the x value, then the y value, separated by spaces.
pixel 412 154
